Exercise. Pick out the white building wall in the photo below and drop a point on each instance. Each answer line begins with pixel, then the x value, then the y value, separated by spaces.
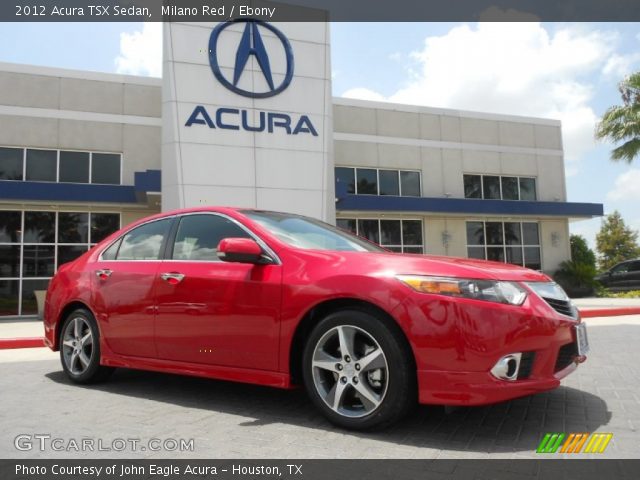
pixel 55 108
pixel 445 144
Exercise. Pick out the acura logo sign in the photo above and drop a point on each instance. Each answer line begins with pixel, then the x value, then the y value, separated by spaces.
pixel 251 44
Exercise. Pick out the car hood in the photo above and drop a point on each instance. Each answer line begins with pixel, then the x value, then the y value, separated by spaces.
pixel 413 264
pixel 468 267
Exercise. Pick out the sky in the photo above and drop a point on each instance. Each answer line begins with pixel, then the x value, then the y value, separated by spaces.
pixel 565 71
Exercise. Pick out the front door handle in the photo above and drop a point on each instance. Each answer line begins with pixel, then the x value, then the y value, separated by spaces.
pixel 103 273
pixel 172 278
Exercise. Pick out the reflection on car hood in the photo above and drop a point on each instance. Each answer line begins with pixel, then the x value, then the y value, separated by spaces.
pixel 413 264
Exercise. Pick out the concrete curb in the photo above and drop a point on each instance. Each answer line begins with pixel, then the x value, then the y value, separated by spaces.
pixel 24 342
pixel 609 312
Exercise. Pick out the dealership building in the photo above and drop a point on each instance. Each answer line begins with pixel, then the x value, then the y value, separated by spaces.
pixel 244 116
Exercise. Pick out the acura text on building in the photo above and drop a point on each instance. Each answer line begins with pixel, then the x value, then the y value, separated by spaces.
pixel 235 119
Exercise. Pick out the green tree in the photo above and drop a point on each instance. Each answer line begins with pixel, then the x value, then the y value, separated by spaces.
pixel 615 241
pixel 580 251
pixel 577 275
pixel 621 123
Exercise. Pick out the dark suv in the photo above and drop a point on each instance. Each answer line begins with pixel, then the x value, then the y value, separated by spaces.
pixel 623 276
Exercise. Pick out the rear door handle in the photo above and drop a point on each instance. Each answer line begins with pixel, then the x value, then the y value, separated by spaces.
pixel 103 273
pixel 172 278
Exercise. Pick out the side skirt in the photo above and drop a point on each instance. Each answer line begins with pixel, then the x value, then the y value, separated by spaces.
pixel 233 374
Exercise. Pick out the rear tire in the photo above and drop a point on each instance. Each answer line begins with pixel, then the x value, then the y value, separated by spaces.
pixel 358 370
pixel 80 348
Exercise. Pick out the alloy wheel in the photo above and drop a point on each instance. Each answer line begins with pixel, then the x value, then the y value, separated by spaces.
pixel 350 371
pixel 77 345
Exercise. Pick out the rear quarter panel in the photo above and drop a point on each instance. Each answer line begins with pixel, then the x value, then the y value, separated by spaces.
pixel 72 283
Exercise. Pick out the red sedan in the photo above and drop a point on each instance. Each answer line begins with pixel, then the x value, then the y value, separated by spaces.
pixel 280 300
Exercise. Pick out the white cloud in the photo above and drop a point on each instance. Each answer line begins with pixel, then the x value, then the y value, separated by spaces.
pixel 626 187
pixel 141 51
pixel 514 68
pixel 619 66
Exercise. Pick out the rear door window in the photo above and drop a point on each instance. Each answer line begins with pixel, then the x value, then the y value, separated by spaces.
pixel 144 242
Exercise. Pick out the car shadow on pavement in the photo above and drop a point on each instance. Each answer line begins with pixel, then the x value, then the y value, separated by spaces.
pixel 512 426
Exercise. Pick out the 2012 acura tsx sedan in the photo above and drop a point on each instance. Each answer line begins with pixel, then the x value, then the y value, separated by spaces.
pixel 279 299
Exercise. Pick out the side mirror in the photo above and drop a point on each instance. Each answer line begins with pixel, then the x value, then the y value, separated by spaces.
pixel 240 250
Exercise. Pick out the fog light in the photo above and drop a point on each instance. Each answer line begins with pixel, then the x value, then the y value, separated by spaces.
pixel 507 367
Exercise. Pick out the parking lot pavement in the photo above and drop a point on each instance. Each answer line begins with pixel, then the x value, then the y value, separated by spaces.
pixel 228 420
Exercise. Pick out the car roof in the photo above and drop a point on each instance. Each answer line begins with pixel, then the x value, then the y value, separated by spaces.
pixel 231 211
pixel 628 261
pixel 220 209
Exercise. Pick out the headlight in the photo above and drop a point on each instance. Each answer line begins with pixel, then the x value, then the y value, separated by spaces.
pixel 549 290
pixel 489 290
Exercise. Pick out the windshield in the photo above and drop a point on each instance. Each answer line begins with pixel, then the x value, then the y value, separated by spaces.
pixel 304 232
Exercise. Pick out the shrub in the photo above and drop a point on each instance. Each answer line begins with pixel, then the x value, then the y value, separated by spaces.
pixel 576 278
pixel 603 292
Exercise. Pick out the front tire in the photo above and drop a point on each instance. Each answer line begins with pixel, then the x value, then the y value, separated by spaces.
pixel 358 370
pixel 80 348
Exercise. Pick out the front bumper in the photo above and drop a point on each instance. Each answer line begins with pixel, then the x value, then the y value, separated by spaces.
pixel 456 343
pixel 481 388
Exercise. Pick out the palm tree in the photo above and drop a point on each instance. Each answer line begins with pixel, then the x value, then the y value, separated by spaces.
pixel 621 123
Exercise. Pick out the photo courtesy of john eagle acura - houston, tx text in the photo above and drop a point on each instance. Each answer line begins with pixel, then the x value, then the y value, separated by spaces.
pixel 281 299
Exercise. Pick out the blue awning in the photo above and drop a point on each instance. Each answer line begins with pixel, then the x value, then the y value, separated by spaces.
pixel 145 182
pixel 469 206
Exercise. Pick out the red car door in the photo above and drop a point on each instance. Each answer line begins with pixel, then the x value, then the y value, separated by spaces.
pixel 215 312
pixel 123 282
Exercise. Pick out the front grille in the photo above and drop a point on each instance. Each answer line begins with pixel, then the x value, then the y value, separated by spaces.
pixel 526 364
pixel 561 306
pixel 566 355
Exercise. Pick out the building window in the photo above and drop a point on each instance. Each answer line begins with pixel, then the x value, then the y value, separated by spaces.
pixel 499 187
pixel 491 187
pixel 527 188
pixel 41 165
pixel 105 168
pixel 366 181
pixel 389 182
pixel 64 166
pixel 397 235
pixel 410 184
pixel 509 242
pixel 74 167
pixel 11 160
pixel 375 181
pixel 103 225
pixel 346 176
pixel 33 244
pixel 509 187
